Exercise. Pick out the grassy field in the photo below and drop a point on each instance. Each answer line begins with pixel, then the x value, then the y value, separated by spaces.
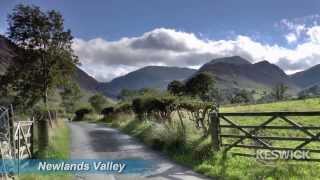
pixel 194 151
pixel 292 105
pixel 298 105
pixel 58 149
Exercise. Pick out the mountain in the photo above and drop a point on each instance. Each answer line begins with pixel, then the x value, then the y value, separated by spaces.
pixel 148 77
pixel 236 60
pixel 237 72
pixel 311 91
pixel 85 81
pixel 308 77
pixel 7 52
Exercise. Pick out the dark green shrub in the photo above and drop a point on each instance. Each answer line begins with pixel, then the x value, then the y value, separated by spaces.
pixel 159 108
pixel 107 111
pixel 158 144
pixel 137 107
pixel 81 113
pixel 124 108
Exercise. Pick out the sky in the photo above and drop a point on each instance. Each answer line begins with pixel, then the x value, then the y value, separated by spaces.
pixel 114 37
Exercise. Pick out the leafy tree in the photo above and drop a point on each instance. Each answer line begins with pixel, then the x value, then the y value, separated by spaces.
pixel 128 94
pixel 176 87
pixel 279 92
pixel 242 96
pixel 98 101
pixel 81 113
pixel 45 58
pixel 70 95
pixel 199 85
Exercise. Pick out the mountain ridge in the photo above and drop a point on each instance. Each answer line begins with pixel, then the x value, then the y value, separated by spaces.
pixel 7 52
pixel 262 74
pixel 147 77
pixel 308 77
pixel 229 72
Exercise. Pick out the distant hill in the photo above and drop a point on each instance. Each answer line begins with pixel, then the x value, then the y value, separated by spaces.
pixel 311 91
pixel 237 72
pixel 148 77
pixel 85 81
pixel 307 78
pixel 7 52
pixel 236 60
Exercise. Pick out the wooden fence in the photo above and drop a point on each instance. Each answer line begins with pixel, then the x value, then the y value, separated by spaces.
pixel 222 121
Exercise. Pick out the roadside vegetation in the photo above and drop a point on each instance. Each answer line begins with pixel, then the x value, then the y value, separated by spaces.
pixel 58 149
pixel 192 149
pixel 176 122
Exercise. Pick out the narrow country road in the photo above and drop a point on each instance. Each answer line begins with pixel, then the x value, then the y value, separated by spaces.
pixel 97 141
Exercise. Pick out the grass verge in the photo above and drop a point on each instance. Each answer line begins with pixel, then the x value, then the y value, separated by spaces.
pixel 58 149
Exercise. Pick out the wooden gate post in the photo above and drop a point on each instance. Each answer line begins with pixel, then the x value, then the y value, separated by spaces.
pixel 12 130
pixel 43 136
pixel 32 138
pixel 215 130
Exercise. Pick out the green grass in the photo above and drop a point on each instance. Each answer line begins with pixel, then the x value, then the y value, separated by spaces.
pixel 293 105
pixel 58 149
pixel 194 151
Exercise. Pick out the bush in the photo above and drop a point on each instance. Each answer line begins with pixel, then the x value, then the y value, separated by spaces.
pixel 123 108
pixel 159 108
pixel 81 113
pixel 107 111
pixel 137 108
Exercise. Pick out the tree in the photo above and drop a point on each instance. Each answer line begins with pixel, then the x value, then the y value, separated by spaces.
pixel 98 101
pixel 176 88
pixel 279 92
pixel 199 85
pixel 45 59
pixel 241 96
pixel 70 96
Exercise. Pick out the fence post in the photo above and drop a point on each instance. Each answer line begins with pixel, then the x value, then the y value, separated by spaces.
pixel 43 136
pixel 12 130
pixel 31 138
pixel 215 130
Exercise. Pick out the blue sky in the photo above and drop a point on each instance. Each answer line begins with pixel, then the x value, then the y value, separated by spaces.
pixel 279 30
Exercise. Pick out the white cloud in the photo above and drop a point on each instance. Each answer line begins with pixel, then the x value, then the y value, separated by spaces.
pixel 291 38
pixel 314 34
pixel 301 28
pixel 107 59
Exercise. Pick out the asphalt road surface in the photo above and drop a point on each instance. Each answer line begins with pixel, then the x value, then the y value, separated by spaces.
pixel 97 141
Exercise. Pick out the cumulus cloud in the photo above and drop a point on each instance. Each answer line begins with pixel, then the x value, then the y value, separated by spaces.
pixel 291 38
pixel 314 34
pixel 301 28
pixel 168 47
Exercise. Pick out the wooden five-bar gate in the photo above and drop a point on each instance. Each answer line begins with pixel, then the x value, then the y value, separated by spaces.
pixel 23 139
pixel 228 133
pixel 16 137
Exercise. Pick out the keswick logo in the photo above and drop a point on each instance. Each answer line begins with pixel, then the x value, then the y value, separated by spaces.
pixel 282 155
